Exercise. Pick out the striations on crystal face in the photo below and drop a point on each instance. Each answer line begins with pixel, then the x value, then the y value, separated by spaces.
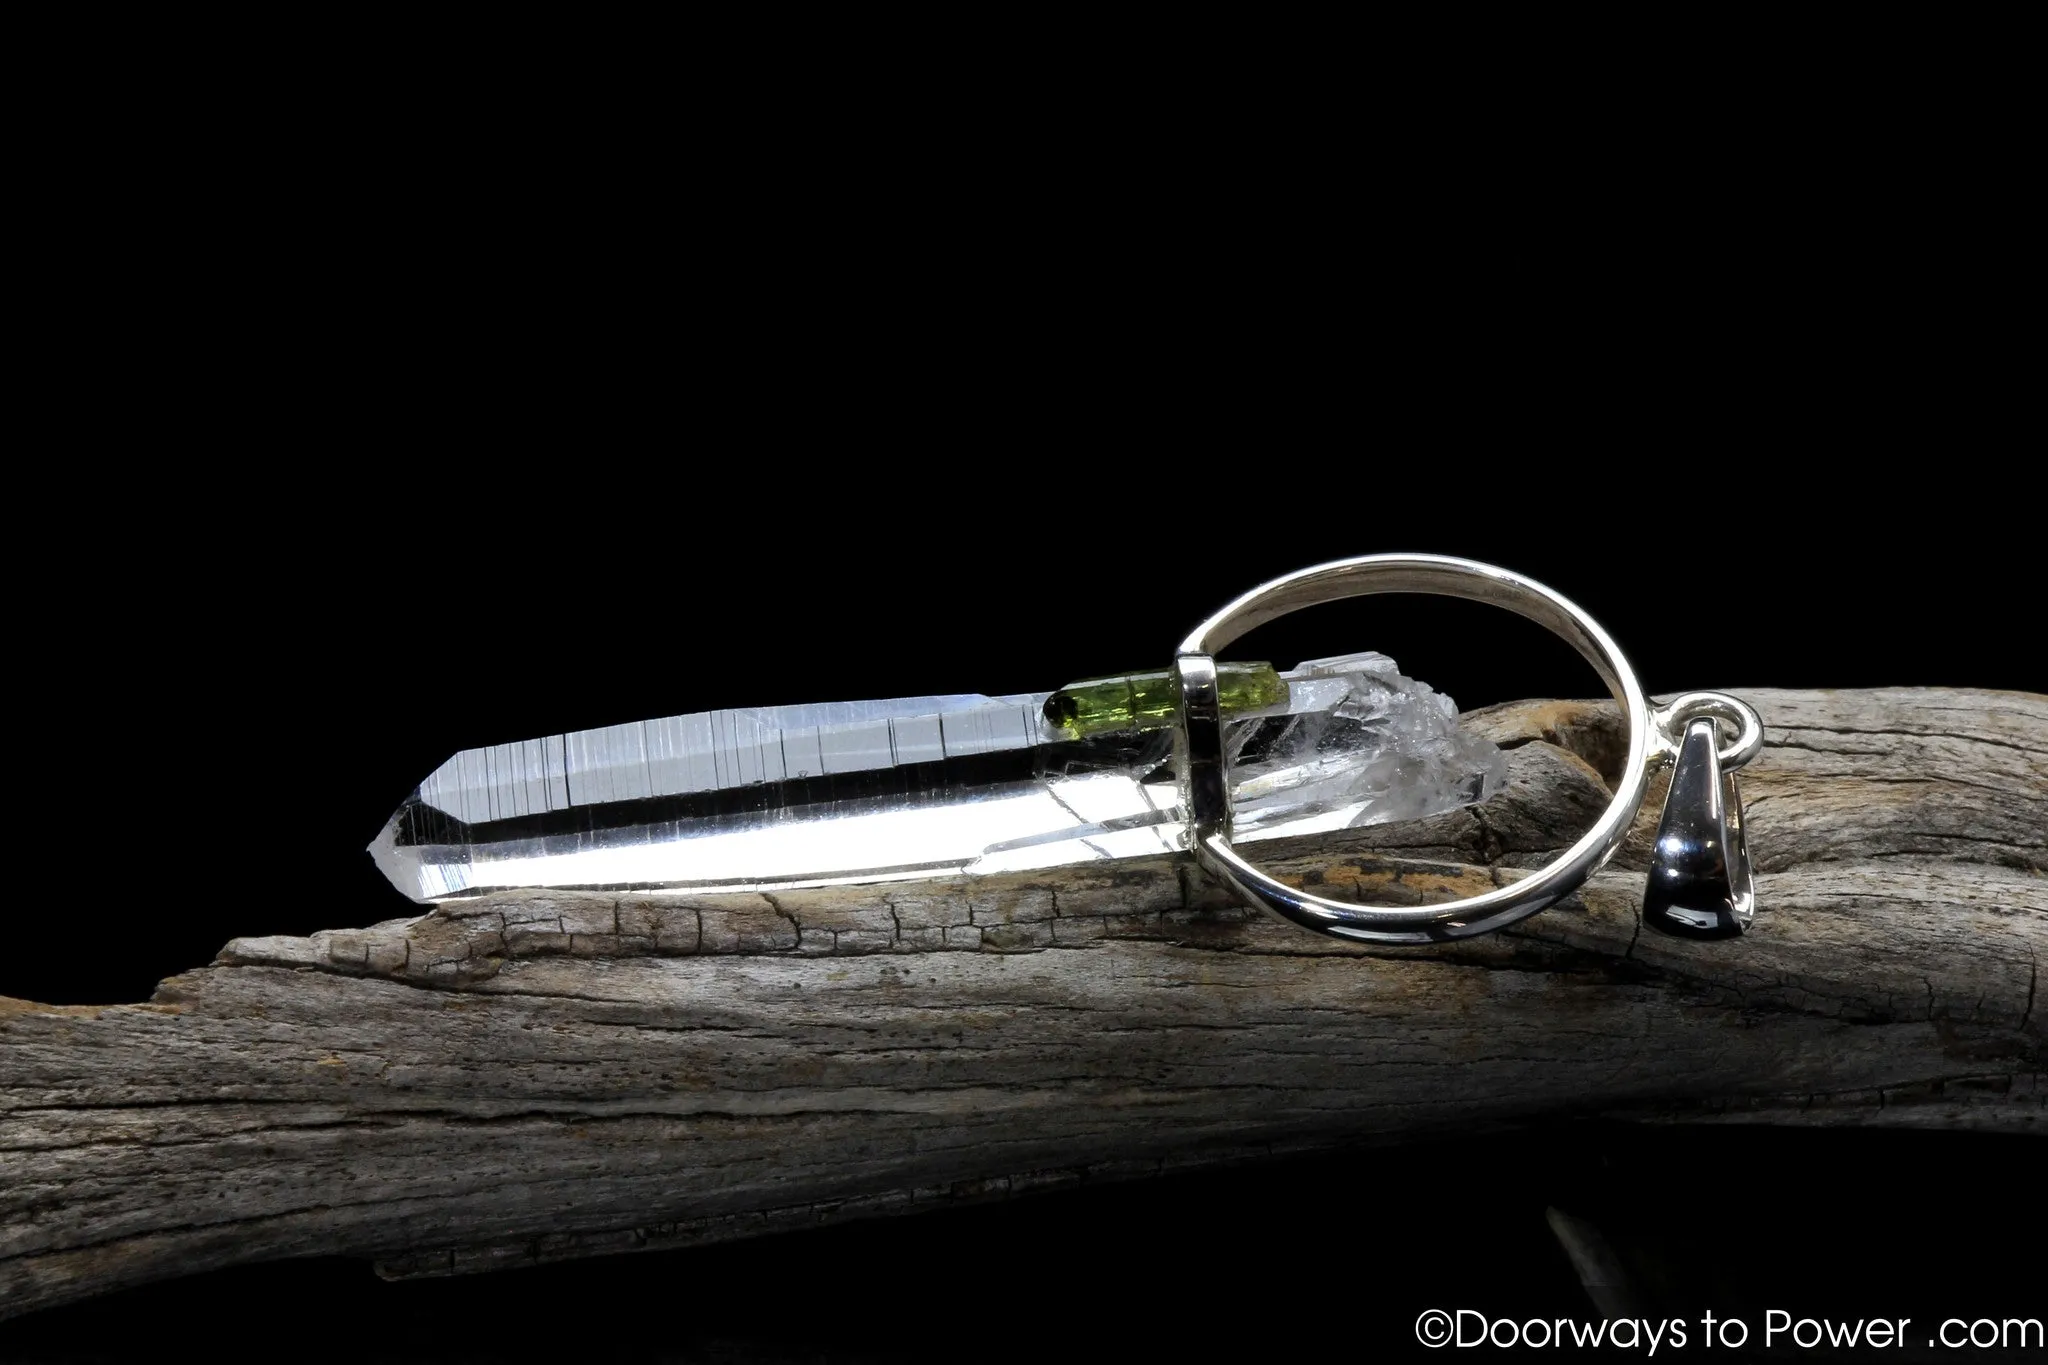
pixel 873 791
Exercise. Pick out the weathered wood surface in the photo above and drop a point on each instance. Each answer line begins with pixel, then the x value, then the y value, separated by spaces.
pixel 563 1076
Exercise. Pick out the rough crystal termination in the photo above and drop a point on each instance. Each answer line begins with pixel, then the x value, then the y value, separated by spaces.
pixel 913 787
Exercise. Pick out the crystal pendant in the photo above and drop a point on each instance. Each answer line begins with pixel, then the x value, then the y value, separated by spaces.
pixel 872 791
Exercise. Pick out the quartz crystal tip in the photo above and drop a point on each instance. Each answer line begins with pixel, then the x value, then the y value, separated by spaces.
pixel 918 787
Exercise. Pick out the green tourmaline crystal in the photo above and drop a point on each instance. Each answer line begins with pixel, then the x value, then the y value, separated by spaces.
pixel 1147 701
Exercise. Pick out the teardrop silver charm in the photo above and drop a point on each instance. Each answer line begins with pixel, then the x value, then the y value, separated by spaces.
pixel 1701 884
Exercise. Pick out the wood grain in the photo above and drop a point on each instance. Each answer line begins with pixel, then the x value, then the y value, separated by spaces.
pixel 556 1076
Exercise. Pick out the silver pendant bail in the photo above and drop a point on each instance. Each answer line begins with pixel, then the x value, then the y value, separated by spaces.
pixel 1701 884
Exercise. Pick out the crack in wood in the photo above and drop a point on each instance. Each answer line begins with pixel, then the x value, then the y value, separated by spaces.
pixel 556 1075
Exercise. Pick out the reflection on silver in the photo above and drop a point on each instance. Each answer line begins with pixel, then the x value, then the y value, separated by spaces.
pixel 918 786
pixel 1701 883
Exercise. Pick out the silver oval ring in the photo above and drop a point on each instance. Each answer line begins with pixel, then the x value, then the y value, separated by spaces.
pixel 1204 768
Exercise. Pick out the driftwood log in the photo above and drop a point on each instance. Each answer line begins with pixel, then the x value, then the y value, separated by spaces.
pixel 499 1084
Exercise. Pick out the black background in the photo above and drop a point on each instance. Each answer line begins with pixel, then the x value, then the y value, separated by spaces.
pixel 307 518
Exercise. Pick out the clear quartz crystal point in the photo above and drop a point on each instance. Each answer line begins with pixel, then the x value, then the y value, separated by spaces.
pixel 873 791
